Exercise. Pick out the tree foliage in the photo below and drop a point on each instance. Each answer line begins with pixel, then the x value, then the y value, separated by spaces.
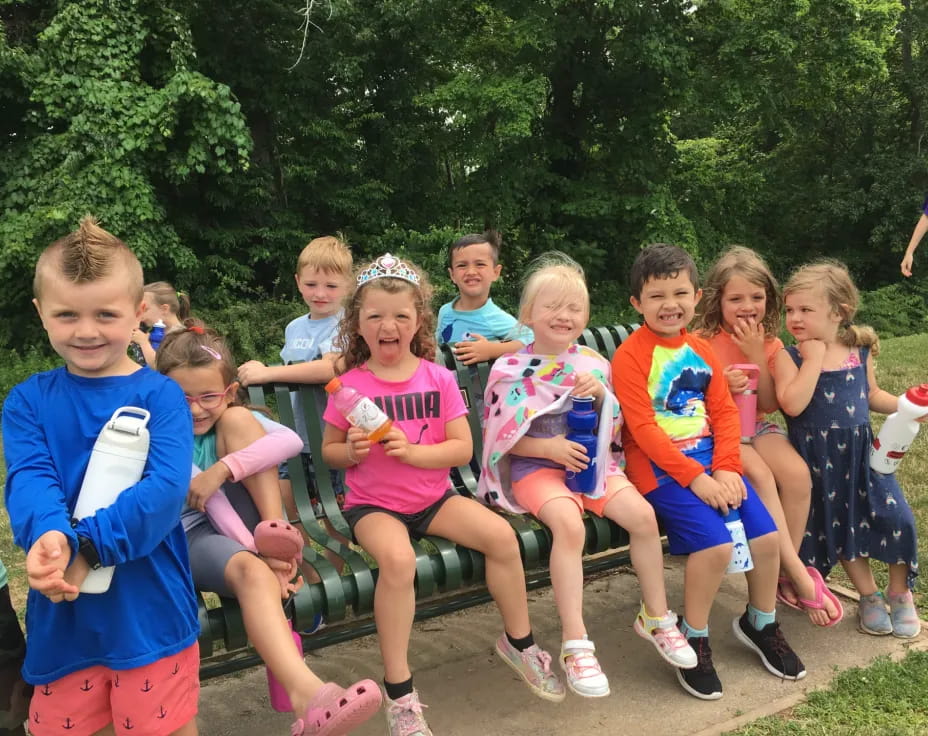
pixel 592 126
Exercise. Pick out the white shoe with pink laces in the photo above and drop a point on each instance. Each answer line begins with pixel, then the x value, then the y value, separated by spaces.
pixel 663 633
pixel 584 675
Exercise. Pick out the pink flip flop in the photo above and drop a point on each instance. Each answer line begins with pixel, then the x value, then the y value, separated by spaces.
pixel 336 711
pixel 782 583
pixel 279 540
pixel 822 592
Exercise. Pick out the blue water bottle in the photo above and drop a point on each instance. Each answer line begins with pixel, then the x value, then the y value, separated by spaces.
pixel 581 428
pixel 156 335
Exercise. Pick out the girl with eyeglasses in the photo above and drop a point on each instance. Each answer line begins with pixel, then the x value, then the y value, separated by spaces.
pixel 231 443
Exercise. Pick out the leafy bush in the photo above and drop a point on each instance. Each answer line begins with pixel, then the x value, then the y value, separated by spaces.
pixel 254 330
pixel 895 310
pixel 16 367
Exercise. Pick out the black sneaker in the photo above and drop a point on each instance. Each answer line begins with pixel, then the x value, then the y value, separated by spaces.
pixel 770 645
pixel 702 681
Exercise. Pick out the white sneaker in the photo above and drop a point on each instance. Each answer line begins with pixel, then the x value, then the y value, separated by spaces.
pixel 666 637
pixel 584 675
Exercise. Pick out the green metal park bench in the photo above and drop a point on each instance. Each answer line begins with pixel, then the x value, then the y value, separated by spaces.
pixel 448 577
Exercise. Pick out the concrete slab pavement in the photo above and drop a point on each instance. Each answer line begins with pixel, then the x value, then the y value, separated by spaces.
pixel 471 693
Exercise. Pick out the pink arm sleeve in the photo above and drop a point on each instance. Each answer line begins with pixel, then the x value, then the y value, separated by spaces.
pixel 279 444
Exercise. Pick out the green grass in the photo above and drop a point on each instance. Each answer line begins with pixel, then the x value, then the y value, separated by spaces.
pixel 886 699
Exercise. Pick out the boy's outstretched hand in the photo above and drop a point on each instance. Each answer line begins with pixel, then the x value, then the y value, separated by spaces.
pixel 475 350
pixel 46 563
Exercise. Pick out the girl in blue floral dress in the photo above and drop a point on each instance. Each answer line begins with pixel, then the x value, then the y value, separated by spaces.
pixel 826 387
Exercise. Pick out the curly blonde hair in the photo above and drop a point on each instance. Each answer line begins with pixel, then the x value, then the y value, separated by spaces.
pixel 354 351
pixel 831 279
pixel 744 262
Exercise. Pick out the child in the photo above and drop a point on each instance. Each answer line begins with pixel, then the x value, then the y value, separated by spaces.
pixel 472 324
pixel 399 488
pixel 921 227
pixel 199 361
pixel 740 317
pixel 88 293
pixel 526 456
pixel 323 273
pixel 14 691
pixel 826 386
pixel 162 303
pixel 681 439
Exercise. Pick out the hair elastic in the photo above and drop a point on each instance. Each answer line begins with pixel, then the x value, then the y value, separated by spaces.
pixel 212 352
pixel 195 329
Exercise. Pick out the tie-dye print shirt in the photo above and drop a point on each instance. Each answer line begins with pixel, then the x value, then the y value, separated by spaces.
pixel 680 419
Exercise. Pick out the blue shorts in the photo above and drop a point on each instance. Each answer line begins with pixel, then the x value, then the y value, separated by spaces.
pixel 693 525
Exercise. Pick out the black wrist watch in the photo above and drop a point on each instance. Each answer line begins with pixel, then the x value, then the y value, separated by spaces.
pixel 86 550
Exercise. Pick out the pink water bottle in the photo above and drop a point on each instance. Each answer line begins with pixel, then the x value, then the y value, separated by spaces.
pixel 746 401
pixel 280 701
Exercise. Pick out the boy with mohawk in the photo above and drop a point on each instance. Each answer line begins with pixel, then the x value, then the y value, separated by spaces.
pixel 124 661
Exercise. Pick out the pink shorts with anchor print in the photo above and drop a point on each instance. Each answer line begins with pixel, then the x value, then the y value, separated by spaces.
pixel 153 700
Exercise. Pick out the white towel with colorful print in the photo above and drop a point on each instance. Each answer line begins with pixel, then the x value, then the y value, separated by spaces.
pixel 522 386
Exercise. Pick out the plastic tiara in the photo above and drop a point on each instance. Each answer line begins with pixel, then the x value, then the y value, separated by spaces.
pixel 388 265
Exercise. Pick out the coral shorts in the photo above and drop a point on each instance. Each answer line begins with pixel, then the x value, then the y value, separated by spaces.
pixel 153 700
pixel 540 486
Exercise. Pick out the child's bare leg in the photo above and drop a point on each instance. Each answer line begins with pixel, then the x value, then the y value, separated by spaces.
pixel 258 592
pixel 898 578
pixel 386 539
pixel 562 517
pixel 762 580
pixel 793 481
pixel 632 512
pixel 188 729
pixel 763 481
pixel 235 430
pixel 702 578
pixel 466 522
pixel 860 574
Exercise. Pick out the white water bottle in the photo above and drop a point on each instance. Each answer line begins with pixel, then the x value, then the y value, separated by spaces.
pixel 741 560
pixel 899 430
pixel 116 463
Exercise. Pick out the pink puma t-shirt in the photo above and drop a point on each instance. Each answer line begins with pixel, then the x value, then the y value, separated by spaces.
pixel 421 406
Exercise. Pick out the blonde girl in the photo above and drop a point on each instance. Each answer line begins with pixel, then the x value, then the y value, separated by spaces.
pixel 162 302
pixel 740 317
pixel 526 459
pixel 399 487
pixel 225 439
pixel 826 386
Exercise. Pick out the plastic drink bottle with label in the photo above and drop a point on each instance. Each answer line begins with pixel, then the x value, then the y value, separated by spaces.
pixel 581 428
pixel 116 463
pixel 741 560
pixel 899 430
pixel 156 335
pixel 280 701
pixel 359 410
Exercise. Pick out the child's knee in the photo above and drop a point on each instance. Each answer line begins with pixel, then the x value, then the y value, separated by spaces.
pixel 397 565
pixel 765 547
pixel 502 543
pixel 568 529
pixel 713 558
pixel 641 521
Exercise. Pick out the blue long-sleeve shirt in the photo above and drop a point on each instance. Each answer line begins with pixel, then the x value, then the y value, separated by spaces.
pixel 50 424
